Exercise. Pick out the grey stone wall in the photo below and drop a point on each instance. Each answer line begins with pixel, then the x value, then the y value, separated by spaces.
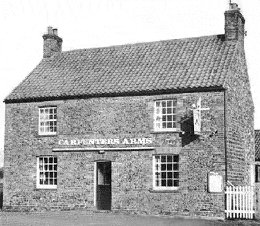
pixel 240 121
pixel 116 117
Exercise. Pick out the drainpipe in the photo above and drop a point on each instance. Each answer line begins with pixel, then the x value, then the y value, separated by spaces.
pixel 225 137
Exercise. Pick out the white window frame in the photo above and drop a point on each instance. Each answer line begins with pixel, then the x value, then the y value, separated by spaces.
pixel 163 188
pixel 45 186
pixel 159 115
pixel 43 120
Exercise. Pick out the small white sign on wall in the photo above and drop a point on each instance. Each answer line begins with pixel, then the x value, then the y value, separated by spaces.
pixel 215 182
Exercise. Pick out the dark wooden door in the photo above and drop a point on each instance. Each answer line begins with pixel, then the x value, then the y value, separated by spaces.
pixel 103 185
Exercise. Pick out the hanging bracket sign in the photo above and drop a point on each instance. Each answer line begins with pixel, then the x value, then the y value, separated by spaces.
pixel 197 117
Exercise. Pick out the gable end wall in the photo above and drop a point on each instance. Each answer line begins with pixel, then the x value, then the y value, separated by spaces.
pixel 239 121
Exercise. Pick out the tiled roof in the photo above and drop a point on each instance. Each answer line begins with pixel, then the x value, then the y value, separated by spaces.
pixel 162 66
pixel 257 145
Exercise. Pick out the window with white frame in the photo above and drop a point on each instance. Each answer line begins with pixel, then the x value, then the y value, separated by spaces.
pixel 257 173
pixel 165 118
pixel 47 120
pixel 47 172
pixel 165 172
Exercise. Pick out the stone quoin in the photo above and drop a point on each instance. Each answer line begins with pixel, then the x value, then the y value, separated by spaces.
pixel 112 128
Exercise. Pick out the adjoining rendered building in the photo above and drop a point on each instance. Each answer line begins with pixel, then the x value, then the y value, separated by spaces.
pixel 158 127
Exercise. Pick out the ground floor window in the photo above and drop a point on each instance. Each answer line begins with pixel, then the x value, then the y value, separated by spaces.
pixel 257 173
pixel 47 172
pixel 165 172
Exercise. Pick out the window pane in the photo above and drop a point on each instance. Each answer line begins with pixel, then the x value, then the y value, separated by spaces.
pixel 158 118
pixel 169 158
pixel 164 183
pixel 176 175
pixel 176 183
pixel 169 125
pixel 169 166
pixel 163 158
pixel 169 118
pixel 169 175
pixel 164 111
pixel 163 104
pixel 169 183
pixel 163 167
pixel 163 175
pixel 176 167
pixel 176 158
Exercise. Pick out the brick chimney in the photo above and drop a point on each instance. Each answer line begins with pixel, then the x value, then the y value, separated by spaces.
pixel 52 43
pixel 234 24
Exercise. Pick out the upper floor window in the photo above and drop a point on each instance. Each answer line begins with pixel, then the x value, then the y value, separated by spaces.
pixel 165 115
pixel 47 121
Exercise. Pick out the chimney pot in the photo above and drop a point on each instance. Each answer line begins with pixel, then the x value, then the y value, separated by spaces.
pixel 49 30
pixel 55 31
pixel 233 6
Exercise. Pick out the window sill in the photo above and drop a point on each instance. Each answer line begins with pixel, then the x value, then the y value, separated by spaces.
pixel 164 191
pixel 167 131
pixel 47 135
pixel 46 188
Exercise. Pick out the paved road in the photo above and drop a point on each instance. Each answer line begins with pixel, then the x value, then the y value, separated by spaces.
pixel 78 218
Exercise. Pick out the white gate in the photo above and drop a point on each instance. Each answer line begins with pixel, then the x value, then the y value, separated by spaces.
pixel 239 202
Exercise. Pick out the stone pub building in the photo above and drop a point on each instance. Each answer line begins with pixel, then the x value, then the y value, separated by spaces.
pixel 158 127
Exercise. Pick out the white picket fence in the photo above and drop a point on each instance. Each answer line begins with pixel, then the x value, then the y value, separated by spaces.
pixel 239 202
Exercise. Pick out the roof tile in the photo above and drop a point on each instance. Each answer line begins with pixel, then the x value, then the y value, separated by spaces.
pixel 156 66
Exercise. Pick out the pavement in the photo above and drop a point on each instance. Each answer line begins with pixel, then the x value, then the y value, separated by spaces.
pixel 78 218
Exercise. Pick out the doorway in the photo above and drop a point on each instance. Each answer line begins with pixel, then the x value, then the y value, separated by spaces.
pixel 103 185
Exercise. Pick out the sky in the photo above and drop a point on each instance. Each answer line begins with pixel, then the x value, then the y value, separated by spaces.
pixel 98 23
